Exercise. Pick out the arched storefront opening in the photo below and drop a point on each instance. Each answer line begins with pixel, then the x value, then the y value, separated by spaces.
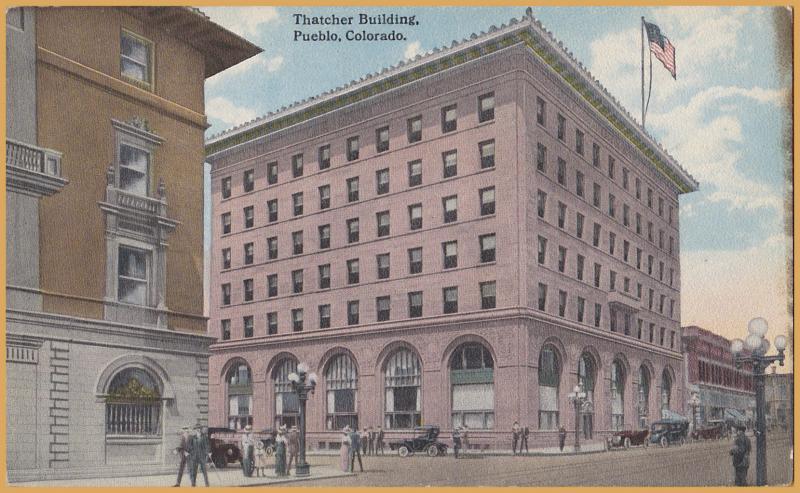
pixel 666 389
pixel 472 386
pixel 549 382
pixel 402 390
pixel 587 375
pixel 239 381
pixel 341 384
pixel 287 407
pixel 133 404
pixel 644 396
pixel 617 395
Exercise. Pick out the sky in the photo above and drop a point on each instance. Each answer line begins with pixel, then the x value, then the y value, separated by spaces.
pixel 724 119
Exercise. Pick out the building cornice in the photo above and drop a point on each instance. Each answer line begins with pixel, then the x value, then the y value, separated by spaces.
pixel 528 32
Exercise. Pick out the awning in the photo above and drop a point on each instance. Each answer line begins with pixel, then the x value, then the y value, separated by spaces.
pixel 735 415
pixel 670 414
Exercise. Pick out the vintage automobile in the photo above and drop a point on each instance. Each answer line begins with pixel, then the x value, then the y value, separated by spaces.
pixel 425 442
pixel 267 437
pixel 714 430
pixel 224 446
pixel 667 432
pixel 627 438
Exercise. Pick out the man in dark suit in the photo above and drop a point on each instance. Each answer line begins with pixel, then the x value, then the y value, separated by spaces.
pixel 183 451
pixel 741 456
pixel 355 450
pixel 198 454
pixel 379 441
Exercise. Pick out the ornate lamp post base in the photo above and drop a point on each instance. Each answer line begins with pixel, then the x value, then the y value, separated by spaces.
pixel 302 470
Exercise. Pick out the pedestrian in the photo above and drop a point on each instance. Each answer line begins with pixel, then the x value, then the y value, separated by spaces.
pixel 562 437
pixel 364 439
pixel 465 438
pixel 456 440
pixel 261 459
pixel 247 449
pixel 515 433
pixel 525 432
pixel 292 447
pixel 371 438
pixel 182 450
pixel 198 454
pixel 344 450
pixel 741 456
pixel 355 451
pixel 379 441
pixel 280 452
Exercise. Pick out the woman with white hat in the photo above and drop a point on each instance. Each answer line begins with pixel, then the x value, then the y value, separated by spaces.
pixel 344 450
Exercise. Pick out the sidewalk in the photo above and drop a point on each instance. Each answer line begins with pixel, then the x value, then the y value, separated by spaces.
pixel 586 448
pixel 226 477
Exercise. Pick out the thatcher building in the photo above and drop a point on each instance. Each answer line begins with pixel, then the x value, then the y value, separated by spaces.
pixel 106 350
pixel 459 239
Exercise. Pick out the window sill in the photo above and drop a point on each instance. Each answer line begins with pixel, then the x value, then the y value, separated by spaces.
pixel 134 439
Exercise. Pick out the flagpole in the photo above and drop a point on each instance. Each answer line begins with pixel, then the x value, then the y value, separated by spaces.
pixel 641 31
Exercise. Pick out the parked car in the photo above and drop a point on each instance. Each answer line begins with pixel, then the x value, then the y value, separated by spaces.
pixel 712 431
pixel 224 446
pixel 627 438
pixel 425 442
pixel 267 437
pixel 667 432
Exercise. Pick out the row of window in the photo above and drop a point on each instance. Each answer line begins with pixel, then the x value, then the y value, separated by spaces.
pixel 382 310
pixel 561 133
pixel 414 134
pixel 596 240
pixel 487 243
pixel 719 375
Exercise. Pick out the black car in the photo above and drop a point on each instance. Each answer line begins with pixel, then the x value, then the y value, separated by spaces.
pixel 224 446
pixel 425 442
pixel 666 432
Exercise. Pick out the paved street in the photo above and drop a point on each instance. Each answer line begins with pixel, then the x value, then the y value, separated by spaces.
pixel 697 464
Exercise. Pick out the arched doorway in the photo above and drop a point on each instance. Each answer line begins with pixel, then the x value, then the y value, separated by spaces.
pixel 402 390
pixel 549 382
pixel 644 396
pixel 472 386
pixel 666 389
pixel 239 383
pixel 287 407
pixel 587 375
pixel 617 395
pixel 341 396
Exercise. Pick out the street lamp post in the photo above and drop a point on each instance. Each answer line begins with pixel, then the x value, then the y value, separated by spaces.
pixel 753 350
pixel 694 402
pixel 577 397
pixel 302 389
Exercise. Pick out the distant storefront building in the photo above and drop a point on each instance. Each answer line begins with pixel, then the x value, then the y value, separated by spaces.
pixel 779 395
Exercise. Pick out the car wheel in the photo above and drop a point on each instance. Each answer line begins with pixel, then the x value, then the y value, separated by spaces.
pixel 403 451
pixel 432 451
pixel 219 461
pixel 627 443
pixel 664 442
pixel 269 450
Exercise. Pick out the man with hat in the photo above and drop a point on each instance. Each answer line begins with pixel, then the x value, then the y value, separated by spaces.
pixel 198 454
pixel 248 450
pixel 292 447
pixel 456 440
pixel 355 450
pixel 741 456
pixel 183 451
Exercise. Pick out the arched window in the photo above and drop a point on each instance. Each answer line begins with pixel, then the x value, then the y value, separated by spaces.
pixel 472 386
pixel 287 407
pixel 549 380
pixel 644 396
pixel 666 389
pixel 341 382
pixel 240 396
pixel 587 374
pixel 133 404
pixel 617 395
pixel 403 384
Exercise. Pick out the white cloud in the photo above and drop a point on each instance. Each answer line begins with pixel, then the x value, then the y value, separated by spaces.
pixel 413 49
pixel 224 110
pixel 275 63
pixel 244 21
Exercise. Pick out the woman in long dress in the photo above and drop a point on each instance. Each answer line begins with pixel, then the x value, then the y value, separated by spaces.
pixel 261 459
pixel 280 454
pixel 344 452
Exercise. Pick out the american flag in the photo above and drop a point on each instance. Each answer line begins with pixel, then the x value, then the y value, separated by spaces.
pixel 661 47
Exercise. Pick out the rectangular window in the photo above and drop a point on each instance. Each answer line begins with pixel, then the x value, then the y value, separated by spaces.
pixel 612 241
pixel 671 276
pixel 671 245
pixel 272 248
pixel 382 219
pixel 382 181
pixel 672 339
pixel 324 316
pixel 650 231
pixel 414 260
pixel 611 167
pixel 272 173
pixel 596 195
pixel 488 295
pixel 488 245
pixel 383 306
pixel 541 203
pixel 541 158
pixel 661 300
pixel 626 215
pixel 671 308
pixel 297 165
pixel 450 297
pixel 353 271
pixel 415 216
pixel 272 323
pixel 449 122
pixel 639 323
pixel 324 157
pixel 226 258
pixel 226 294
pixel 612 281
pixel 661 239
pixel 382 139
pixel 542 297
pixel 248 326
pixel 612 210
pixel 383 264
pixel 626 248
pixel 297 242
pixel 226 187
pixel 639 258
pixel 625 177
pixel 324 276
pixel 562 303
pixel 248 217
pixel 579 184
pixel 660 270
pixel 650 198
pixel 579 267
pixel 324 236
pixel 297 203
pixel 249 251
pixel 486 150
pixel 247 286
pixel 581 306
pixel 415 304
pixel 541 111
pixel 598 314
pixel 450 163
pixel 598 270
pixel 661 336
pixel 486 196
pixel 579 142
pixel 297 281
pixel 136 58
pixel 226 330
pixel 639 290
pixel 450 254
pixel 595 155
pixel 352 148
pixel 561 172
pixel 638 187
pixel 272 285
pixel 649 265
pixel 352 189
pixel 562 127
pixel 652 331
pixel 579 218
pixel 638 224
pixel 415 173
pixel 542 251
pixel 660 207
pixel 272 210
pixel 450 208
pixel 297 319
pixel 562 214
pixel 562 258
pixel 669 217
pixel 414 129
pixel 352 312
pixel 352 230
pixel 650 299
pixel 486 107
pixel 324 197
pixel 596 235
